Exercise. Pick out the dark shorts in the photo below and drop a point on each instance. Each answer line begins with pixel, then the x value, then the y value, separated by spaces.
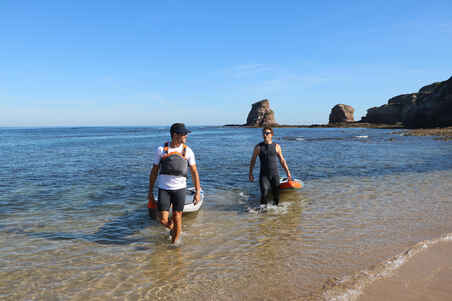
pixel 171 197
pixel 269 183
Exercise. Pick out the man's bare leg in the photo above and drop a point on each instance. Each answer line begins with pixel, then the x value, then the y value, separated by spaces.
pixel 177 221
pixel 164 220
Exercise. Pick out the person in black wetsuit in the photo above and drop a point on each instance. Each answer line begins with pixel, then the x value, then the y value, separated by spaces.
pixel 268 152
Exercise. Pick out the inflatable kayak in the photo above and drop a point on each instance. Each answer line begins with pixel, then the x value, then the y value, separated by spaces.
pixel 285 184
pixel 189 205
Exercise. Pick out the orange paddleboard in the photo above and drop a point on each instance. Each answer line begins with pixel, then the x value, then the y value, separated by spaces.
pixel 295 184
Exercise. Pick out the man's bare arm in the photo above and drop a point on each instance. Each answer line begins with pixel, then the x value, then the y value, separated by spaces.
pixel 253 162
pixel 152 178
pixel 283 161
pixel 195 179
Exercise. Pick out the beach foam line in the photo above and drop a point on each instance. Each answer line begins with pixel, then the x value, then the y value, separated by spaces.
pixel 349 288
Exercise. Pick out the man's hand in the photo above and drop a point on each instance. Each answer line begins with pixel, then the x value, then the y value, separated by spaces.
pixel 197 197
pixel 152 204
pixel 251 178
pixel 151 197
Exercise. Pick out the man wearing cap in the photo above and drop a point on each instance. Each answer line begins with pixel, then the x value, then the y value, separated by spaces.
pixel 171 165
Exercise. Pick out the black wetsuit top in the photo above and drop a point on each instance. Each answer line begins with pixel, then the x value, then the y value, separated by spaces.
pixel 269 173
pixel 269 159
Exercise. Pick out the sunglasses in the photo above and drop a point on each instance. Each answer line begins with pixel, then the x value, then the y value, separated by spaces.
pixel 267 133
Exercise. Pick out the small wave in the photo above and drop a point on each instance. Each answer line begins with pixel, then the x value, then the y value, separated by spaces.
pixel 327 139
pixel 349 288
pixel 293 138
pixel 316 139
pixel 282 208
pixel 244 195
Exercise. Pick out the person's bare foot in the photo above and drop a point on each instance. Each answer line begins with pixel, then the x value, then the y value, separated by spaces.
pixel 172 232
pixel 177 242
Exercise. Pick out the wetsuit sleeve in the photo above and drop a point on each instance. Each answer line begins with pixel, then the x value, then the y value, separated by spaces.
pixel 158 155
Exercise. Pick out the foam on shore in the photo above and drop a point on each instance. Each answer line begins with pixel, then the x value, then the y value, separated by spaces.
pixel 361 286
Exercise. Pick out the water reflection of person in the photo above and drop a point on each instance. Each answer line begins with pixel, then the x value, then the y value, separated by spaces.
pixel 171 165
pixel 268 153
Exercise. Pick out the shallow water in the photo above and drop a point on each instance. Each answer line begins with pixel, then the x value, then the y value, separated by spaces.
pixel 74 224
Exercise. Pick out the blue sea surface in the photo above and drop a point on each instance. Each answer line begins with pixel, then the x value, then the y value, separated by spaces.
pixel 73 211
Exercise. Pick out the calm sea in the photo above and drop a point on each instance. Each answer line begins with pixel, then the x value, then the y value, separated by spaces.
pixel 74 223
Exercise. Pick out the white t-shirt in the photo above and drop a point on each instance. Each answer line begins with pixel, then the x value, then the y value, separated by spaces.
pixel 169 182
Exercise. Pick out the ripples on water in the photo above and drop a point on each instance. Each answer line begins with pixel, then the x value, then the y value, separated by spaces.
pixel 74 224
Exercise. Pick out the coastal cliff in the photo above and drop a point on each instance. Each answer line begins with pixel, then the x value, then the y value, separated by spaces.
pixel 428 108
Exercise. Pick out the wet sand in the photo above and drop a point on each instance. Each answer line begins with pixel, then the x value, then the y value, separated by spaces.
pixel 426 276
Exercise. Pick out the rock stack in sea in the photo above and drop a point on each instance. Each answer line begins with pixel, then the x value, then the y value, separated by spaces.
pixel 430 107
pixel 341 113
pixel 261 115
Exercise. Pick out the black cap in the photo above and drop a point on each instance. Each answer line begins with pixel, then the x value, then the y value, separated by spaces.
pixel 179 128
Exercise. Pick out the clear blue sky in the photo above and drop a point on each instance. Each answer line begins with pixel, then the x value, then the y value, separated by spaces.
pixel 205 62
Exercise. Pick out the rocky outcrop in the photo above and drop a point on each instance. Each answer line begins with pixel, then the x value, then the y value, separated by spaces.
pixel 392 112
pixel 341 113
pixel 430 107
pixel 261 114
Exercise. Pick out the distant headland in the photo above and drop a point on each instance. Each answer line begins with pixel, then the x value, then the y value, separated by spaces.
pixel 430 107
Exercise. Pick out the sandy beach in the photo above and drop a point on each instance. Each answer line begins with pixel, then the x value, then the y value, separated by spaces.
pixel 426 276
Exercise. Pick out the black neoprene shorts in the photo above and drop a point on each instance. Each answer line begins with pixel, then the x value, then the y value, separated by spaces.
pixel 167 198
